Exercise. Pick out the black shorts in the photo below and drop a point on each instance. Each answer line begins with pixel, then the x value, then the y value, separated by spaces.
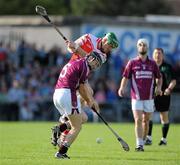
pixel 162 103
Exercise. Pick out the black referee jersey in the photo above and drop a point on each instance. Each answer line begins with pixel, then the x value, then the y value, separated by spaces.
pixel 162 103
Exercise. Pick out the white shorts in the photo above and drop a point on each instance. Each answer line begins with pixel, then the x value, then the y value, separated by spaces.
pixel 63 102
pixel 143 105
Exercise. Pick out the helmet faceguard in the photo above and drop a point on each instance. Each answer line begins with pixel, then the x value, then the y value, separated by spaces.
pixel 94 60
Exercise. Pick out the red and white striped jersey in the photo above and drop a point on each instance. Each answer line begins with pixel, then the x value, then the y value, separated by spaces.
pixel 89 43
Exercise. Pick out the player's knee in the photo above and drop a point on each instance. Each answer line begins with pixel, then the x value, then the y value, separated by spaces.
pixel 164 120
pixel 76 128
pixel 145 121
pixel 138 121
pixel 84 118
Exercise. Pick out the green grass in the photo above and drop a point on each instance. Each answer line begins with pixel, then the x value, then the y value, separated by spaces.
pixel 24 143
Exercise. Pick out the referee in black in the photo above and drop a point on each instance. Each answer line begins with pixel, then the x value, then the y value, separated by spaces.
pixel 162 103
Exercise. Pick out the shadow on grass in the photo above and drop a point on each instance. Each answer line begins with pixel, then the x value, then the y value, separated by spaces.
pixel 96 158
pixel 120 158
pixel 150 159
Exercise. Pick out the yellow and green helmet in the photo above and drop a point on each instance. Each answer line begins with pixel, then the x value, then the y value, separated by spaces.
pixel 112 39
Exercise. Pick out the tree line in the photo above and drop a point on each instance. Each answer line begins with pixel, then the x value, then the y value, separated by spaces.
pixel 87 7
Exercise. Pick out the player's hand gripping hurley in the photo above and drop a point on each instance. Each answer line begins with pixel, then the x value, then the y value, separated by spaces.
pixel 42 11
pixel 123 143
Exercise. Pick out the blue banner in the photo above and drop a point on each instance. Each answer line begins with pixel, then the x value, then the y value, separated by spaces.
pixel 168 39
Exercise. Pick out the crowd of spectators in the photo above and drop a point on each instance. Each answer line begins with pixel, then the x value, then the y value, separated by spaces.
pixel 28 75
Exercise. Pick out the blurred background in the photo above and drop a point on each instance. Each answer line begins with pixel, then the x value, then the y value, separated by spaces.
pixel 32 53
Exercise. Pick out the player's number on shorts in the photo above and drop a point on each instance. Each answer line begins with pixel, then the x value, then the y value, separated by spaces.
pixel 64 70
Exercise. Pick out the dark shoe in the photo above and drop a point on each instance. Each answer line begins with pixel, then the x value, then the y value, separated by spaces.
pixel 61 156
pixel 55 135
pixel 148 142
pixel 162 143
pixel 139 149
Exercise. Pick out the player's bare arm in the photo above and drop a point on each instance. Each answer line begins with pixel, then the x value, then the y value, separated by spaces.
pixel 87 96
pixel 75 48
pixel 122 87
pixel 81 52
pixel 84 92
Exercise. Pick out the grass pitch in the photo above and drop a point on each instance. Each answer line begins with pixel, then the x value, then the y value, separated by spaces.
pixel 28 143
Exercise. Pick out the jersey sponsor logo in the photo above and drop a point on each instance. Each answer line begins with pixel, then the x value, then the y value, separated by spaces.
pixel 143 74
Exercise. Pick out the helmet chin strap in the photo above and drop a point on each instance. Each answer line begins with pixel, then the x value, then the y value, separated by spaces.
pixel 90 68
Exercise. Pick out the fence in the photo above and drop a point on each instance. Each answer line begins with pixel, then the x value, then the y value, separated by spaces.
pixel 120 111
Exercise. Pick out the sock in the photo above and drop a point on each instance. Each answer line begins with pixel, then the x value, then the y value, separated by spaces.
pixel 63 136
pixel 63 149
pixel 139 142
pixel 165 128
pixel 150 128
pixel 63 127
